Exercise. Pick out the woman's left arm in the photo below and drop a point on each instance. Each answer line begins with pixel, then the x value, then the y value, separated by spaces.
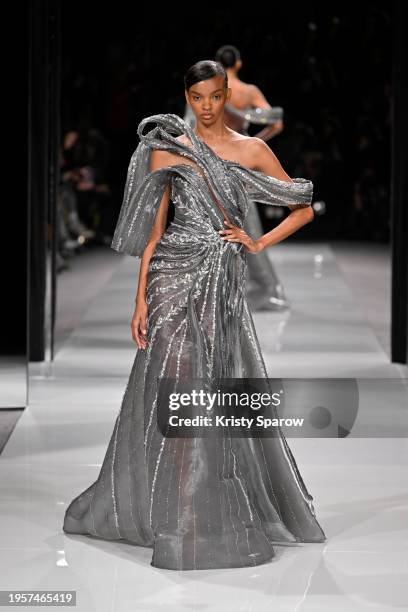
pixel 264 160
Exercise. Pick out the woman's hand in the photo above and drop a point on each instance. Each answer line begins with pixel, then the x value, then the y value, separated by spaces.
pixel 139 324
pixel 236 234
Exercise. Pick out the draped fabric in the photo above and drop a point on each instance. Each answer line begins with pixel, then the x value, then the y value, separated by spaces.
pixel 256 115
pixel 201 502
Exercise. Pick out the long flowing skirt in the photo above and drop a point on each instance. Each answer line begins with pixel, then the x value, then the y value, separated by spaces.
pixel 199 502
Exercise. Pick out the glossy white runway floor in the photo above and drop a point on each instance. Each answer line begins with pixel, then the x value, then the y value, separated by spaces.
pixel 359 484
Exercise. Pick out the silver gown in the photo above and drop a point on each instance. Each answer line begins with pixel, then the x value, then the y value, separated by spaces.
pixel 198 502
pixel 264 289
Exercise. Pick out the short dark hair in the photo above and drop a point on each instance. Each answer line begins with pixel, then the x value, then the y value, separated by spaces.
pixel 203 70
pixel 227 55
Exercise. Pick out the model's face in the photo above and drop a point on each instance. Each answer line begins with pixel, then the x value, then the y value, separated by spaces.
pixel 207 99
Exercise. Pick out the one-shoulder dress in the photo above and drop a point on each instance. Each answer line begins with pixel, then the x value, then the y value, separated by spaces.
pixel 199 502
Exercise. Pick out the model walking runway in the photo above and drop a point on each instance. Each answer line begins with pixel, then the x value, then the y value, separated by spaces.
pixel 206 502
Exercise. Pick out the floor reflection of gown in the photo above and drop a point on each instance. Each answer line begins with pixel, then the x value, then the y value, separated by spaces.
pixel 210 502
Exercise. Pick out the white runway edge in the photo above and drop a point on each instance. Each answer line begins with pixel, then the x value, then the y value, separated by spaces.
pixel 359 485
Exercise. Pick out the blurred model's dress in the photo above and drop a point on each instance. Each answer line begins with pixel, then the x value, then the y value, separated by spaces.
pixel 264 289
pixel 214 501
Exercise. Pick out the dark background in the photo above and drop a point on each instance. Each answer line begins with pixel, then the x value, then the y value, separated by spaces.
pixel 328 66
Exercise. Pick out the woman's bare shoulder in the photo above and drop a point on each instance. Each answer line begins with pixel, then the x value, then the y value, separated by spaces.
pixel 248 149
pixel 257 144
pixel 258 148
pixel 161 159
pixel 261 157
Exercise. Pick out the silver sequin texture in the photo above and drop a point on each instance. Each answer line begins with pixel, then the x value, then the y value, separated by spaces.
pixel 209 502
